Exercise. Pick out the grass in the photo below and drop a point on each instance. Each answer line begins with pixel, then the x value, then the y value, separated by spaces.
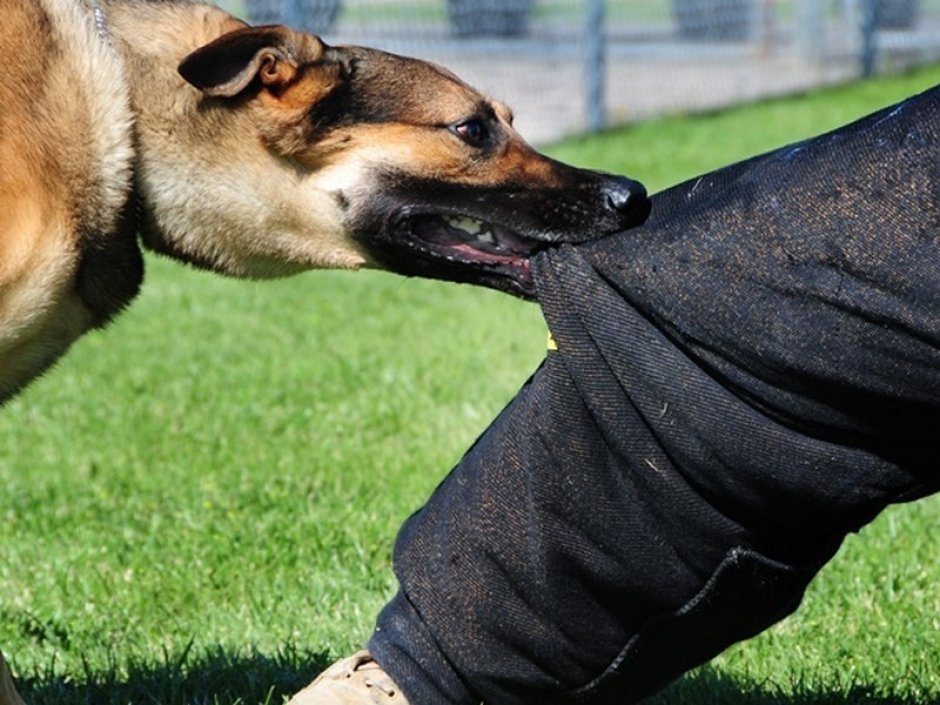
pixel 199 502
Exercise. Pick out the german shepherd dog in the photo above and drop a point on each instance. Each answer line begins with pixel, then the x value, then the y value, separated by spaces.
pixel 253 152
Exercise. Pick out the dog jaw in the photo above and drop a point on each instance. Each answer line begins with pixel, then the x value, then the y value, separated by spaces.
pixel 423 208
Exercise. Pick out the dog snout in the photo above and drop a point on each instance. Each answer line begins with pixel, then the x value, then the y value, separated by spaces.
pixel 628 199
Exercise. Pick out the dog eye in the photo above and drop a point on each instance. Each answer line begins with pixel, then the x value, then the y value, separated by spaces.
pixel 473 132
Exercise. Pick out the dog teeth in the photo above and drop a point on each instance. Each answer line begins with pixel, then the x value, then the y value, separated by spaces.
pixel 476 233
pixel 468 225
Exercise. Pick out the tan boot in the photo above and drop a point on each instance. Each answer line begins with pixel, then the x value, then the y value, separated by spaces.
pixel 8 694
pixel 357 680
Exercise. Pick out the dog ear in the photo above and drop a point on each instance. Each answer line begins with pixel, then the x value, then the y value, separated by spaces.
pixel 228 65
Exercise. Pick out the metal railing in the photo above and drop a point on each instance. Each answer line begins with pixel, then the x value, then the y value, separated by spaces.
pixel 567 66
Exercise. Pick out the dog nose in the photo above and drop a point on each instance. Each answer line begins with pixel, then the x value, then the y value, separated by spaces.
pixel 628 198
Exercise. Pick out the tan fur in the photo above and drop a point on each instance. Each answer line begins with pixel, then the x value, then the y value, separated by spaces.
pixel 265 222
pixel 67 151
pixel 429 152
pixel 64 166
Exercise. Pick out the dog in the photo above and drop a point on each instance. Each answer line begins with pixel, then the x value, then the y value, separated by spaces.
pixel 253 152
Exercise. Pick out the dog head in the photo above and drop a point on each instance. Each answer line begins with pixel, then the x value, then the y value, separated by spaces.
pixel 411 168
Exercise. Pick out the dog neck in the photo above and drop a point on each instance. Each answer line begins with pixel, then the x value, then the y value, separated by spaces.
pixel 212 193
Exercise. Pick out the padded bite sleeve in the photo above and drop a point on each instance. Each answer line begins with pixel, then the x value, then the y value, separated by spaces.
pixel 738 384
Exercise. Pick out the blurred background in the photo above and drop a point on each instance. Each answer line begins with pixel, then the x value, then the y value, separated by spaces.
pixel 573 66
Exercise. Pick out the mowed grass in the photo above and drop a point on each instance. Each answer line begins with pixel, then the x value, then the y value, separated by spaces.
pixel 198 504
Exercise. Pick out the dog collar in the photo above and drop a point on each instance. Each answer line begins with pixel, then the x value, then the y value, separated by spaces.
pixel 100 23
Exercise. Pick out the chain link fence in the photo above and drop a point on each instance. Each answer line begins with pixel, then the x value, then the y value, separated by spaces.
pixel 567 66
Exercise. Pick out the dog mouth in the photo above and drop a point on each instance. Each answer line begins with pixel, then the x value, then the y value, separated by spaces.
pixel 472 239
pixel 464 241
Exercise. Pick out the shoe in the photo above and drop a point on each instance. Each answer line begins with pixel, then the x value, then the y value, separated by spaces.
pixel 357 680
pixel 8 694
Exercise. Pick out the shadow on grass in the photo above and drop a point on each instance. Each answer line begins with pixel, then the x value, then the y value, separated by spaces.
pixel 709 686
pixel 219 678
pixel 214 677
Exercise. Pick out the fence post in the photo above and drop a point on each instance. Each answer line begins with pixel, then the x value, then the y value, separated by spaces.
pixel 595 65
pixel 869 48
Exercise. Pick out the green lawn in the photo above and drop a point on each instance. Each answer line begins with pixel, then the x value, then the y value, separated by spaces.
pixel 199 503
